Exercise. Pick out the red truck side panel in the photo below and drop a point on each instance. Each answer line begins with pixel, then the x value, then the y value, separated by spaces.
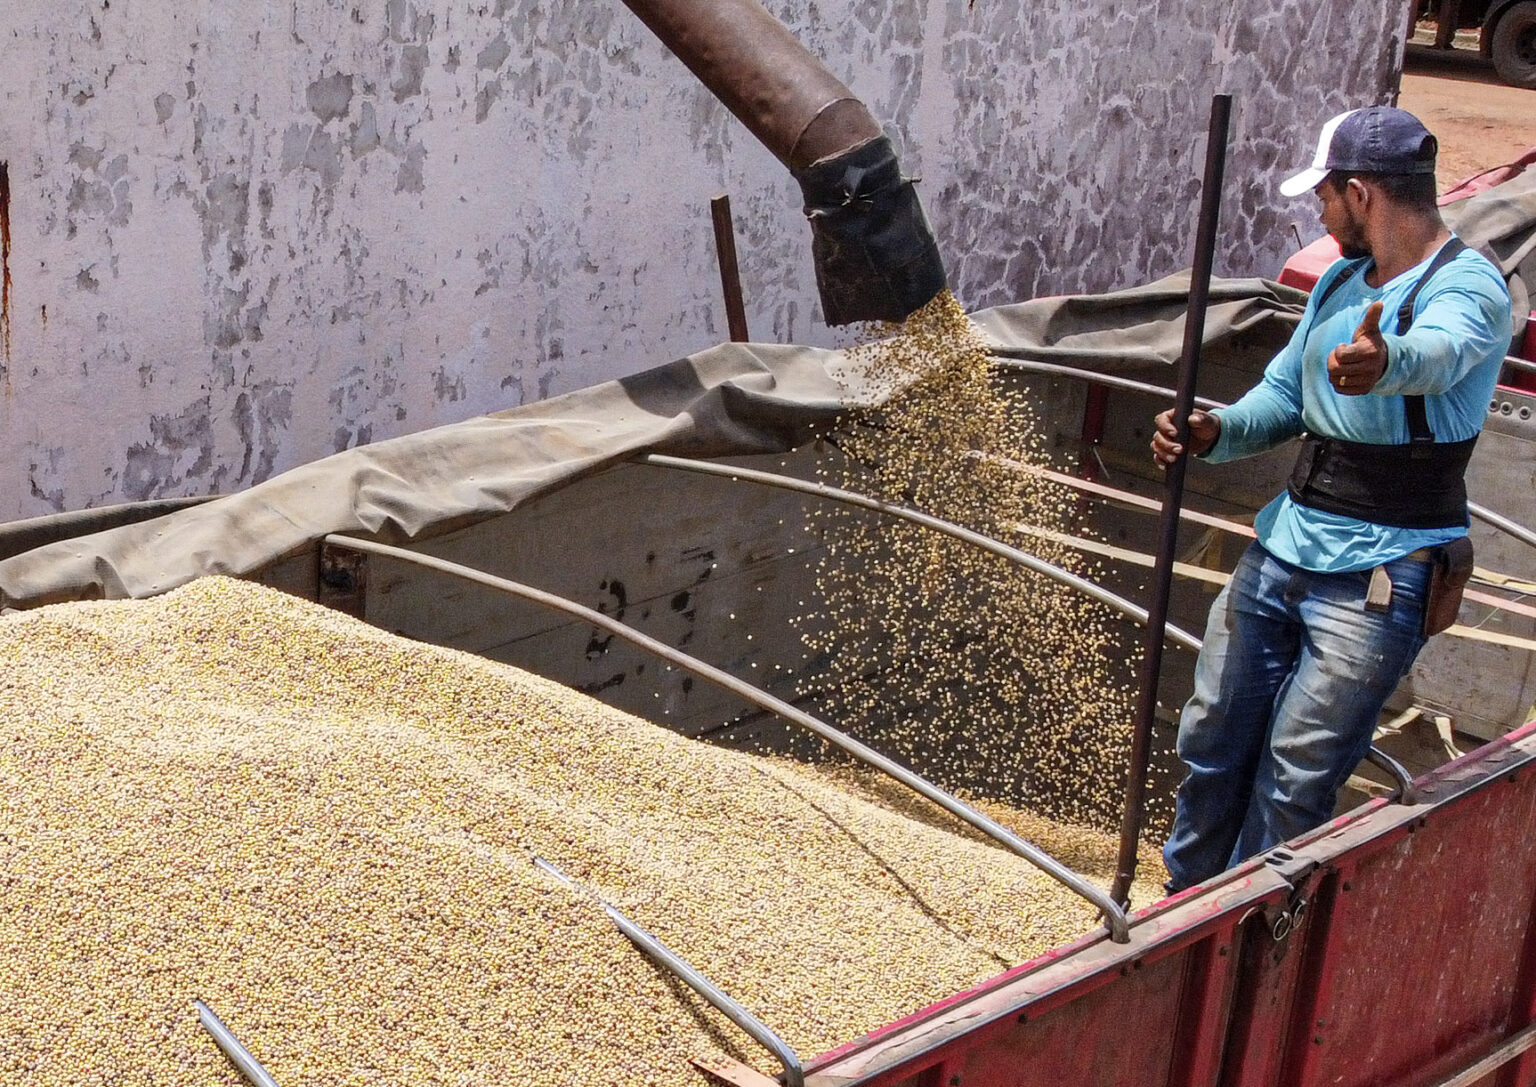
pixel 1392 948
pixel 1436 957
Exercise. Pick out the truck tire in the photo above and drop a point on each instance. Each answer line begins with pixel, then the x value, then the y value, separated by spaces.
pixel 1514 45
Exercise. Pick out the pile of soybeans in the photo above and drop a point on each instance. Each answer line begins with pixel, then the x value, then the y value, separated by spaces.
pixel 324 831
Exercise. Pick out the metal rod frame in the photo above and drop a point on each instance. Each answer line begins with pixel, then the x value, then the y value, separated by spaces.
pixel 1115 917
pixel 1503 524
pixel 664 956
pixel 238 1055
pixel 1168 528
pixel 1407 793
pixel 1034 366
pixel 1114 381
pixel 906 513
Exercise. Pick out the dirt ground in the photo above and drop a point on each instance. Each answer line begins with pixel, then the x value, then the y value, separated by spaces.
pixel 1479 121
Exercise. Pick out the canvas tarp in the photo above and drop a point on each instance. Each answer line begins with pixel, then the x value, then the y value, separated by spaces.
pixel 734 399
pixel 1500 223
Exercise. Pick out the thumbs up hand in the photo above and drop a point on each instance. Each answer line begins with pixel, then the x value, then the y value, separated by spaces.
pixel 1356 366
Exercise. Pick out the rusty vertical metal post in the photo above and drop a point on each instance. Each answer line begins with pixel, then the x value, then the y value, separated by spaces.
pixel 5 269
pixel 1173 496
pixel 730 274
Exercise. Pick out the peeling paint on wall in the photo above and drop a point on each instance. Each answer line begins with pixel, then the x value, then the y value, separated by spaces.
pixel 257 234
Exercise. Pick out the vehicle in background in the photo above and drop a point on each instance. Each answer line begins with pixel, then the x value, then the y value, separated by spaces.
pixel 1506 32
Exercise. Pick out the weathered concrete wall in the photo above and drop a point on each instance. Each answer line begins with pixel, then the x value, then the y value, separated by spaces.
pixel 241 236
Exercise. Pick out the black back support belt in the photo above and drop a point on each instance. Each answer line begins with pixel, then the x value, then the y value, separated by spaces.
pixel 1405 486
pixel 1418 485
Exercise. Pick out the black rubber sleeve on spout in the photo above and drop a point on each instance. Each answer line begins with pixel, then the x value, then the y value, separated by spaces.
pixel 876 258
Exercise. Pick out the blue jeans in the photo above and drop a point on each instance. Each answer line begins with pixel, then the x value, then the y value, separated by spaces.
pixel 1288 689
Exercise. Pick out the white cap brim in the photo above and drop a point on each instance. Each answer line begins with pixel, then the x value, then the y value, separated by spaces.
pixel 1303 182
pixel 1308 179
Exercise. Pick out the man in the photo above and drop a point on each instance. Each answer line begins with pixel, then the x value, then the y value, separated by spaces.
pixel 1325 612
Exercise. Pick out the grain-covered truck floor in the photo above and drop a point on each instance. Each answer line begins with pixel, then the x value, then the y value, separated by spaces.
pixel 324 830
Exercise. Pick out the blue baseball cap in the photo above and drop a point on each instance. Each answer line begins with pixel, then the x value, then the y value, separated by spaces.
pixel 1374 140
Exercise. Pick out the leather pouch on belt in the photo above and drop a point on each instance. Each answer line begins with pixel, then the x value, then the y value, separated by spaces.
pixel 1451 568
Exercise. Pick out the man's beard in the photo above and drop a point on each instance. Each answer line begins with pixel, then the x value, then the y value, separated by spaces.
pixel 1351 239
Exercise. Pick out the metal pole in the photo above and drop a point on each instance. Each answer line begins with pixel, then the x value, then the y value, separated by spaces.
pixel 664 956
pixel 1092 377
pixel 238 1055
pixel 1407 791
pixel 730 274
pixel 1503 524
pixel 1157 611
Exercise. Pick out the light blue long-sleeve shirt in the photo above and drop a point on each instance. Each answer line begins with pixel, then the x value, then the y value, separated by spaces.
pixel 1451 356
